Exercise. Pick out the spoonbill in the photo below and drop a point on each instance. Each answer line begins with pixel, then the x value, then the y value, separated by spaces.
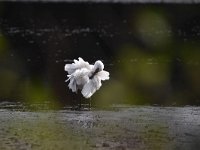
pixel 85 77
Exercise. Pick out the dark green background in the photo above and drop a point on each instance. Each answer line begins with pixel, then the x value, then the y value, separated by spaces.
pixel 152 51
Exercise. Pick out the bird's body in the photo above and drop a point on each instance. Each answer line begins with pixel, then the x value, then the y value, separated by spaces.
pixel 85 77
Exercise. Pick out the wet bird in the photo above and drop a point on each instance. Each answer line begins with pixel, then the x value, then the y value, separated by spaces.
pixel 85 77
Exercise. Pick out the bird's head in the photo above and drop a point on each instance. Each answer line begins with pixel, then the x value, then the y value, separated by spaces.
pixel 98 65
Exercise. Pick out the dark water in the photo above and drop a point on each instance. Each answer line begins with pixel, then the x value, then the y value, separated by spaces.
pixel 151 51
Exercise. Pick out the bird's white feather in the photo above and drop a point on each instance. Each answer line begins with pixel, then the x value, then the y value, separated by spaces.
pixel 91 87
pixel 72 85
pixel 78 64
pixel 82 76
pixel 103 75
pixel 88 89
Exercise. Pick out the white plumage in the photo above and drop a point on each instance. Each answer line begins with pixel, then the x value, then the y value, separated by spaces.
pixel 85 77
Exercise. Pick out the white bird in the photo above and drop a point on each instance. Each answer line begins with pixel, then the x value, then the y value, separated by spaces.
pixel 85 77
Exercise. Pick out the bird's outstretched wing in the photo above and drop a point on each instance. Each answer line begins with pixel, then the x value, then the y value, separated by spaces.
pixel 94 84
pixel 90 88
pixel 103 75
pixel 78 64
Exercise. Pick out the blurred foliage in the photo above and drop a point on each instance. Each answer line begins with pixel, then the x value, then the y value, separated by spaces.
pixel 36 92
pixel 152 28
pixel 8 80
pixel 3 45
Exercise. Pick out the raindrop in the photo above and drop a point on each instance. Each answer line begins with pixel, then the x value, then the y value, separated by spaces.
pixel 131 60
pixel 196 63
pixel 184 39
pixel 68 60
pixel 85 30
pixel 110 64
pixel 111 35
pixel 64 20
pixel 130 32
pixel 31 42
pixel 66 30
pixel 149 59
pixel 135 60
pixel 178 59
pixel 67 34
pixel 75 31
pixel 179 32
pixel 124 21
pixel 39 34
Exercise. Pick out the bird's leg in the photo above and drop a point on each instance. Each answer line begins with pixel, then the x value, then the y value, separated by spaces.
pixel 90 103
pixel 80 103
pixel 73 102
